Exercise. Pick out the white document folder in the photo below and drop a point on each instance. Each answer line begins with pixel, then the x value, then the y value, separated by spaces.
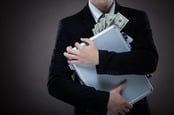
pixel 138 86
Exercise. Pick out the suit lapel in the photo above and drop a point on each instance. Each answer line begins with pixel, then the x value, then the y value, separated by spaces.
pixel 88 21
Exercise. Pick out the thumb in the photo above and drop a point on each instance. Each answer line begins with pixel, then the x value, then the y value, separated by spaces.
pixel 121 86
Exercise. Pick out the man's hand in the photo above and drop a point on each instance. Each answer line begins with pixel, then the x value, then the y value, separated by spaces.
pixel 117 104
pixel 83 55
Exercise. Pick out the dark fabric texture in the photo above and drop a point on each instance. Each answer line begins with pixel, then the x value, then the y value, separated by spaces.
pixel 141 60
pixel 139 108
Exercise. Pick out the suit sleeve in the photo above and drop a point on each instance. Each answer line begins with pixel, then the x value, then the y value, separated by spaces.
pixel 61 86
pixel 141 60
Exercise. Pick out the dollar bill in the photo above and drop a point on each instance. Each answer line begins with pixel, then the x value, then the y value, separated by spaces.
pixel 103 23
pixel 110 19
pixel 120 21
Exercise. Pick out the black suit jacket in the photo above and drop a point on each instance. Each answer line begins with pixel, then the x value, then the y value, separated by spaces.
pixel 141 60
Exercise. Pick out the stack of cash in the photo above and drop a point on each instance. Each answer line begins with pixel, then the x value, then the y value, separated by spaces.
pixel 110 19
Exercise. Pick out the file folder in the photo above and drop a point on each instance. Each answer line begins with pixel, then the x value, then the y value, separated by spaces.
pixel 137 87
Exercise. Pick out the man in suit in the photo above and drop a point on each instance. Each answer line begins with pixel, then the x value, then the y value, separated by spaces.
pixel 78 28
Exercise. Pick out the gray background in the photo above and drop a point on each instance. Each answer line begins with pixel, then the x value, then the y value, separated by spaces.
pixel 28 34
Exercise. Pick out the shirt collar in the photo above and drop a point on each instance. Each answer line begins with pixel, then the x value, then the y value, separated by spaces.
pixel 96 13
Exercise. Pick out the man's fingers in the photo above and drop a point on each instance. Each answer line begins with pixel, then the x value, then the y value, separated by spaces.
pixel 70 56
pixel 126 110
pixel 73 62
pixel 129 106
pixel 78 46
pixel 85 41
pixel 68 48
pixel 121 87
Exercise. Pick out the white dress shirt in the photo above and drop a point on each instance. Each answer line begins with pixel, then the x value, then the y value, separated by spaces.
pixel 96 13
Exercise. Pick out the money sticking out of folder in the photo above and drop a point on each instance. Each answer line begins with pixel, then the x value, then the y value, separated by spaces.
pixel 108 20
pixel 138 86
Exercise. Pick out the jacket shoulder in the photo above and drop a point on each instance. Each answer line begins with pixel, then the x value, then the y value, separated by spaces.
pixel 132 13
pixel 70 20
